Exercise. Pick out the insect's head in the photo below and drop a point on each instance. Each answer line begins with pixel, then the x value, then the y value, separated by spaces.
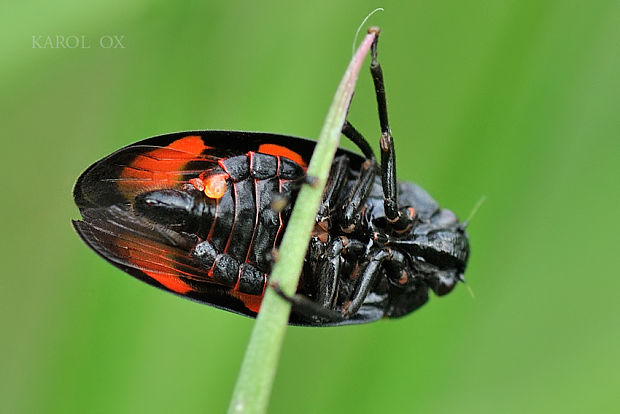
pixel 437 244
pixel 438 250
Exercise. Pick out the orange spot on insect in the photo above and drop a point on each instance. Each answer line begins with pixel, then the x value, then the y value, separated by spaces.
pixel 321 231
pixel 215 186
pixel 282 151
pixel 411 212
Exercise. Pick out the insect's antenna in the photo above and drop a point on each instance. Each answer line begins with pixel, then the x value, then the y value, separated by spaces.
pixel 474 211
pixel 357 32
pixel 471 291
pixel 461 279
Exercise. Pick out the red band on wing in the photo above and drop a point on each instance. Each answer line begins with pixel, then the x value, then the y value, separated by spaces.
pixel 170 282
pixel 162 167
pixel 192 144
pixel 252 302
pixel 279 150
pixel 155 262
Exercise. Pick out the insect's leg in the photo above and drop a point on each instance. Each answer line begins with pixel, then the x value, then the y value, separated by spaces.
pixel 330 270
pixel 396 267
pixel 335 182
pixel 358 139
pixel 307 308
pixel 366 282
pixel 325 263
pixel 329 274
pixel 395 264
pixel 400 220
pixel 354 204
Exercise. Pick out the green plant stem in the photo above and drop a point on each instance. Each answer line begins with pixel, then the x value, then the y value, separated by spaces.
pixel 251 394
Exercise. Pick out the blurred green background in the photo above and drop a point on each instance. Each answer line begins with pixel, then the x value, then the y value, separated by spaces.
pixel 516 100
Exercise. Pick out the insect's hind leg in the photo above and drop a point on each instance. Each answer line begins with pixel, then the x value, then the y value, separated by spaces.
pixel 322 309
pixel 399 220
pixel 307 308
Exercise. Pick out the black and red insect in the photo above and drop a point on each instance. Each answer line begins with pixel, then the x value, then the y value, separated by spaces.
pixel 194 213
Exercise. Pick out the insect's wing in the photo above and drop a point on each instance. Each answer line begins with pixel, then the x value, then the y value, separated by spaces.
pixel 152 252
pixel 132 243
pixel 168 161
pixel 149 251
pixel 147 165
pixel 156 255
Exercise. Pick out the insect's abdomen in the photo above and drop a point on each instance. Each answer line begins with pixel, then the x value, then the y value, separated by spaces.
pixel 244 224
pixel 237 231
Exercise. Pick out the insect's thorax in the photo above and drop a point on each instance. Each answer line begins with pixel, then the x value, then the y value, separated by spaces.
pixel 433 251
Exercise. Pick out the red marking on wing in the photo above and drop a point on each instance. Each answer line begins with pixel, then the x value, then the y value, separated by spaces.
pixel 162 167
pixel 171 282
pixel 282 151
pixel 126 240
pixel 192 144
pixel 252 302
pixel 162 272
